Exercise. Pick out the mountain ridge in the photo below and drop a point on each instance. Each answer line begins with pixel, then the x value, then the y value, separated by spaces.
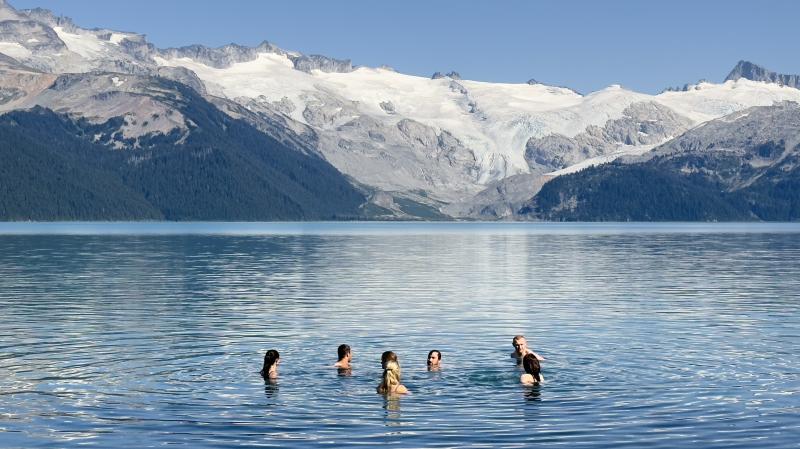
pixel 467 148
pixel 755 72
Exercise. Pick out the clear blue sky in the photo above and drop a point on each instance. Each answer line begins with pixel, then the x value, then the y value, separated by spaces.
pixel 644 45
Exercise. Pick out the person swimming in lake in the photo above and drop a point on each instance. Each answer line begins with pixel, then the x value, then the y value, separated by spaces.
pixel 390 383
pixel 533 370
pixel 521 349
pixel 345 356
pixel 271 361
pixel 434 360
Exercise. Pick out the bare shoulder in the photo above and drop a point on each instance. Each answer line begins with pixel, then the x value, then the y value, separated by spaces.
pixel 401 389
pixel 526 379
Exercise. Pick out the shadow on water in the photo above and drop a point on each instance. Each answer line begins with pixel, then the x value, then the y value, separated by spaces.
pixel 533 393
pixel 270 388
pixel 393 414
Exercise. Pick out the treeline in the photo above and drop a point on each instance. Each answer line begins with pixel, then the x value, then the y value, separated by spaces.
pixel 660 192
pixel 225 170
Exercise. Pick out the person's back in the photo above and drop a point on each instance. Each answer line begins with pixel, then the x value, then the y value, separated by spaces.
pixel 533 370
pixel 345 356
pixel 271 361
pixel 390 382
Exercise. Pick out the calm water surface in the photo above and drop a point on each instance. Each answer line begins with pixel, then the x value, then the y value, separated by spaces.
pixel 134 335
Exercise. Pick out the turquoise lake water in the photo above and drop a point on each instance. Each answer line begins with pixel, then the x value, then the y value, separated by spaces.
pixel 145 335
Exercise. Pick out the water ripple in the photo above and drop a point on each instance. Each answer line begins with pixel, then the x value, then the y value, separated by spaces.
pixel 660 336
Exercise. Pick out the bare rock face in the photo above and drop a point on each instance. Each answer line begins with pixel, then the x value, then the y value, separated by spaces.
pixel 31 35
pixel 501 199
pixel 227 55
pixel 418 134
pixel 452 75
pixel 146 105
pixel 642 124
pixel 7 12
pixel 754 72
pixel 183 76
pixel 328 112
pixel 388 107
pixel 747 146
pixel 307 63
pixel 221 57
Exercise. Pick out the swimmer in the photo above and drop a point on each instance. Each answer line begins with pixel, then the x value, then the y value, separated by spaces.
pixel 390 383
pixel 533 375
pixel 271 361
pixel 434 360
pixel 345 356
pixel 521 349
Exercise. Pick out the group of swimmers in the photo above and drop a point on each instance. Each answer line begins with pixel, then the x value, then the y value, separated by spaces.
pixel 390 380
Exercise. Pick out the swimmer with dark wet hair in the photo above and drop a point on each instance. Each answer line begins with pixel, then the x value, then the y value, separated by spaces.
pixel 434 360
pixel 271 361
pixel 533 370
pixel 345 356
pixel 521 349
pixel 390 382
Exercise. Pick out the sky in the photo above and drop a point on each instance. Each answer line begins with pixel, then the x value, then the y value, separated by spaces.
pixel 585 45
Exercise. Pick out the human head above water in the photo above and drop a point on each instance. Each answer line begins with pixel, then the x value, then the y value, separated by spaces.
pixel 434 358
pixel 270 359
pixel 532 366
pixel 386 357
pixel 391 373
pixel 519 340
pixel 344 351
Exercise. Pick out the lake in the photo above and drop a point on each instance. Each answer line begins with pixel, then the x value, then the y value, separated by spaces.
pixel 152 334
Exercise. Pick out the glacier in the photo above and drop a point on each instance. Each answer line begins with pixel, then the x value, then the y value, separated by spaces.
pixel 460 146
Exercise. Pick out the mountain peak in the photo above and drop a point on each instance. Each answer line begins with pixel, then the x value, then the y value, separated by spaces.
pixel 747 70
pixel 7 12
pixel 755 72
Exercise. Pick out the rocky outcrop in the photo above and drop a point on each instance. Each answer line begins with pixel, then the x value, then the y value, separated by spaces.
pixel 745 166
pixel 642 124
pixel 307 63
pixel 754 72
pixel 221 57
pixel 452 75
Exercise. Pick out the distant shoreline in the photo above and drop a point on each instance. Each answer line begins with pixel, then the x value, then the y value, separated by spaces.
pixel 387 228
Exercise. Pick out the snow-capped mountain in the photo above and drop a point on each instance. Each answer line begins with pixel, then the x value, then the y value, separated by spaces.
pixel 459 146
pixel 744 166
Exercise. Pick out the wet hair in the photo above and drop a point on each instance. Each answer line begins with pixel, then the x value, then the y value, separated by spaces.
pixel 270 358
pixel 438 354
pixel 514 341
pixel 532 366
pixel 388 356
pixel 343 351
pixel 391 376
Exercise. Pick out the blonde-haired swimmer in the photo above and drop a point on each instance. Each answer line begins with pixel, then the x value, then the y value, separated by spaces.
pixel 390 383
pixel 533 374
